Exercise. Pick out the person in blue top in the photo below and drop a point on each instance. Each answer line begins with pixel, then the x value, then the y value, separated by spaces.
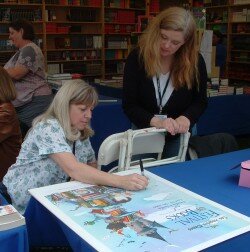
pixel 47 155
pixel 221 51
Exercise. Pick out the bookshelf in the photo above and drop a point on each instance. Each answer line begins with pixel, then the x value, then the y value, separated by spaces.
pixel 73 32
pixel 30 10
pixel 120 21
pixel 91 37
pixel 232 18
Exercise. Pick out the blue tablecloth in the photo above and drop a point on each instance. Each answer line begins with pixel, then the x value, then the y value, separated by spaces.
pixel 108 118
pixel 230 114
pixel 15 239
pixel 210 177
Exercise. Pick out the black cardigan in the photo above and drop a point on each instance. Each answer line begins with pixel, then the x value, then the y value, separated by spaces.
pixel 139 101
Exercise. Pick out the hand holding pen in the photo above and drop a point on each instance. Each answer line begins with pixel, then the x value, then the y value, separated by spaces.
pixel 141 167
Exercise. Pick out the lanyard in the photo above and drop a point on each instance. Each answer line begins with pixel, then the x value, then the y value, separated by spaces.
pixel 163 93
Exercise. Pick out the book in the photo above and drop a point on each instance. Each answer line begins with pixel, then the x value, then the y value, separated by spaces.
pixel 10 218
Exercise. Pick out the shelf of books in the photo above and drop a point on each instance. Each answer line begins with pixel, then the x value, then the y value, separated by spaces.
pixel 120 20
pixel 9 11
pixel 232 19
pixel 90 37
pixel 239 42
pixel 74 37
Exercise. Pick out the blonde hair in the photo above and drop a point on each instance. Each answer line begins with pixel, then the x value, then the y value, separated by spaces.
pixel 184 66
pixel 7 88
pixel 72 92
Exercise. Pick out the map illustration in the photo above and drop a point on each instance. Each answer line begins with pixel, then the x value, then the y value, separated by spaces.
pixel 164 217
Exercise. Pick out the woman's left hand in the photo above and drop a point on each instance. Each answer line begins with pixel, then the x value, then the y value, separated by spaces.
pixel 183 124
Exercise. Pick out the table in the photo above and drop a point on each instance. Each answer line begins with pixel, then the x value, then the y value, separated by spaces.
pixel 14 239
pixel 210 177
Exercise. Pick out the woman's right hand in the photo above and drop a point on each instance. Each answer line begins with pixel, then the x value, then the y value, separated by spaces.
pixel 169 124
pixel 133 182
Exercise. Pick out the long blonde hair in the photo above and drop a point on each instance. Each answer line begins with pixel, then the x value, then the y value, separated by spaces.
pixel 72 92
pixel 184 68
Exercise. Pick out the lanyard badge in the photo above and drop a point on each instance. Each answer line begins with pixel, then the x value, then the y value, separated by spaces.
pixel 163 93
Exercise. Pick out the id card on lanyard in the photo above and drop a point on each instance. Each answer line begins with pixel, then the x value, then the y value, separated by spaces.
pixel 161 95
pixel 162 117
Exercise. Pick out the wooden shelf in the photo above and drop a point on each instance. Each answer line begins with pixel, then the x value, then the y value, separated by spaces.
pixel 73 49
pixel 21 5
pixel 216 7
pixel 68 61
pixel 126 8
pixel 52 32
pixel 72 6
pixel 233 38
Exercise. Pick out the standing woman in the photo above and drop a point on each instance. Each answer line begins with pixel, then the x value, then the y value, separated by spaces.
pixel 165 78
pixel 10 133
pixel 27 70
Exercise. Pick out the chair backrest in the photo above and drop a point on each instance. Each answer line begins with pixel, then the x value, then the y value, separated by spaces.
pixel 112 148
pixel 144 141
pixel 152 140
pixel 123 146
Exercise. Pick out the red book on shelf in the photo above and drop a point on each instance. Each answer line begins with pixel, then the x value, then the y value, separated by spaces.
pixel 76 76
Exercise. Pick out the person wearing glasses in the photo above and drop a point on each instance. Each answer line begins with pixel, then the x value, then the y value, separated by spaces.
pixel 165 77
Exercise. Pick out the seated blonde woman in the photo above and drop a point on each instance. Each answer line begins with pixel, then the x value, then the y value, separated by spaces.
pixel 57 147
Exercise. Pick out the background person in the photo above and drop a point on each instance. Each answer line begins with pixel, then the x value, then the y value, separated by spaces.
pixel 47 155
pixel 27 70
pixel 164 84
pixel 221 51
pixel 10 133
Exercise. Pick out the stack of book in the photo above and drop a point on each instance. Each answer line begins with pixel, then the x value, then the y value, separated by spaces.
pixel 57 80
pixel 239 90
pixel 211 92
pixel 10 218
pixel 247 90
pixel 226 90
pixel 115 81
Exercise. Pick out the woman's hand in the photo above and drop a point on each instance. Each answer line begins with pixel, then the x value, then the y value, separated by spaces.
pixel 133 182
pixel 169 124
pixel 173 126
pixel 17 72
pixel 183 124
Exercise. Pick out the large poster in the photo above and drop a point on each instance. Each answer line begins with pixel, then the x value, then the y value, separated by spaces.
pixel 163 217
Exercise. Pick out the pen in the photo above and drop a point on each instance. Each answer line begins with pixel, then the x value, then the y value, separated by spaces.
pixel 142 168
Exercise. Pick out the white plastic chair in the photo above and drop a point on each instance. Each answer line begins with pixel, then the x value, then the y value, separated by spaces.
pixel 123 146
pixel 113 148
pixel 152 140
